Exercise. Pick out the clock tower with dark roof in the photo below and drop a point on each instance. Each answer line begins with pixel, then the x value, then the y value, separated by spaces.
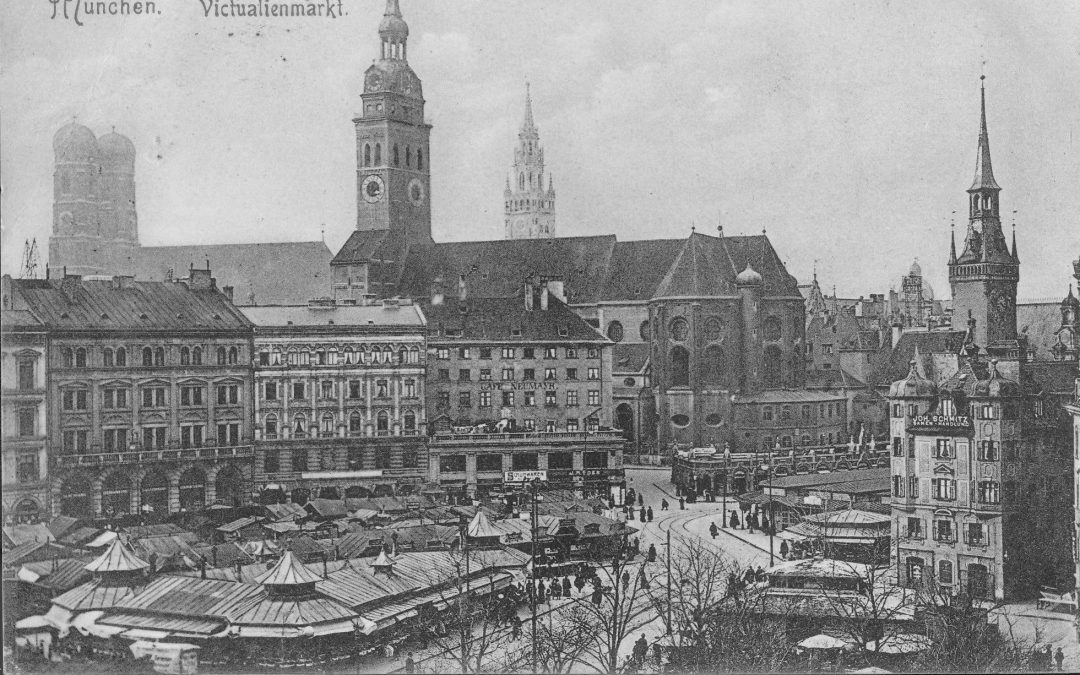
pixel 984 276
pixel 393 163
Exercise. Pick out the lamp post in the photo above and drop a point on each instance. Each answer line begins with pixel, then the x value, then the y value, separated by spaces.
pixel 772 525
pixel 727 480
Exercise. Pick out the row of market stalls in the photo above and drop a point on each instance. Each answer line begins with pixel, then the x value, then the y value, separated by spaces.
pixel 289 614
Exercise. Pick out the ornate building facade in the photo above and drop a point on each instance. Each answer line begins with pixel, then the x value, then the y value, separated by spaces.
pixel 339 399
pixel 25 414
pixel 149 394
pixel 530 207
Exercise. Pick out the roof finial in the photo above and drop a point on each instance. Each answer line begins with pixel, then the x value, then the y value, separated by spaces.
pixel 815 269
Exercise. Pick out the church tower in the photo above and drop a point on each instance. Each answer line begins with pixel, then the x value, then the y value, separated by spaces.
pixel 393 163
pixel 984 276
pixel 530 208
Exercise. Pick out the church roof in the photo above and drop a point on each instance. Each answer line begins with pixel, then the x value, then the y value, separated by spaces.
pixel 117 558
pixel 700 270
pixel 283 273
pixel 636 268
pixel 79 304
pixel 984 172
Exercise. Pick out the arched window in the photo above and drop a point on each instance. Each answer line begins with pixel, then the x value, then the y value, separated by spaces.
pixel 378 154
pixel 624 420
pixel 233 356
pixel 192 490
pixel 680 329
pixel 714 365
pixel 68 357
pixel 107 358
pixel 327 425
pixel 116 494
pixel 27 511
pixel 222 356
pixel 121 356
pixel 147 357
pixel 229 486
pixel 80 357
pixel 419 159
pixel 773 367
pixel 361 355
pixel 773 330
pixel 408 157
pixel 403 356
pixel 75 497
pixel 974 202
pixel 185 356
pixel 713 329
pixel 410 422
pixel 154 493
pixel 383 422
pixel 356 423
pixel 196 356
pixel 270 426
pixel 615 331
pixel 388 354
pixel 680 367
pixel 397 159
pixel 367 154
pixel 159 356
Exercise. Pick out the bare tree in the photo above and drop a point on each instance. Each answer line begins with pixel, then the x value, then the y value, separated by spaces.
pixel 470 629
pixel 870 607
pixel 562 638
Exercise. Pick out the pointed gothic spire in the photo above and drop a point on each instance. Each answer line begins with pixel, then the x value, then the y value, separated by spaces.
pixel 952 244
pixel 984 172
pixel 529 122
pixel 1015 255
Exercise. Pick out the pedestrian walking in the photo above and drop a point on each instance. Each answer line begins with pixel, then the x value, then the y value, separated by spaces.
pixel 748 575
pixel 1059 656
pixel 713 530
pixel 682 503
pixel 640 500
pixel 566 587
pixel 750 523
pixel 663 505
pixel 410 663
pixel 652 553
pixel 765 524
pixel 579 583
pixel 597 595
pixel 658 653
pixel 642 514
pixel 625 580
pixel 734 522
pixel 648 512
pixel 643 580
pixel 784 549
pixel 515 627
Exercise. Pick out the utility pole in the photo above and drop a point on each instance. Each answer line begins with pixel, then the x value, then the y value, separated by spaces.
pixel 535 486
pixel 669 582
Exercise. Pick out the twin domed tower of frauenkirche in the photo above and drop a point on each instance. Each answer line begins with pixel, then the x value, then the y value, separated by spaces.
pixel 94 218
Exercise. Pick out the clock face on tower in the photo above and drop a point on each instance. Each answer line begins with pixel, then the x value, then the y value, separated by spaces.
pixel 372 189
pixel 416 192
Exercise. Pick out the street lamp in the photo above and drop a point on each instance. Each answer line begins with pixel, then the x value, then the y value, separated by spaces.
pixel 727 479
pixel 535 487
pixel 772 525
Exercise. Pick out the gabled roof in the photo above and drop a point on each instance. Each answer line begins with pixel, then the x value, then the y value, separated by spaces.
pixel 117 558
pixel 281 273
pixel 638 267
pixel 19 319
pixel 369 245
pixel 86 305
pixel 288 572
pixel 15 535
pixel 928 343
pixel 328 508
pixel 61 525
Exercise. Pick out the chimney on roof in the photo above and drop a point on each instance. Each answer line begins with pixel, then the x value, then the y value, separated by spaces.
pixel 437 296
pixel 201 280
pixel 544 294
pixel 530 294
pixel 69 284
pixel 462 289
pixel 227 291
pixel 557 288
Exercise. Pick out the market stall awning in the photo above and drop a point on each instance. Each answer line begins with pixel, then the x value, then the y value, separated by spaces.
pixel 86 623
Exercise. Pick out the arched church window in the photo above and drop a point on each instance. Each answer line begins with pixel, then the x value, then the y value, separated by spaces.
pixel 712 329
pixel 521 182
pixel 680 329
pixel 680 367
pixel 397 159
pixel 408 157
pixel 378 154
pixel 773 330
pixel 419 159
pixel 367 154
pixel 714 365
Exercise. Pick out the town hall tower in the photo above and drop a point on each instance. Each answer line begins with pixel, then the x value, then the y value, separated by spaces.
pixel 530 207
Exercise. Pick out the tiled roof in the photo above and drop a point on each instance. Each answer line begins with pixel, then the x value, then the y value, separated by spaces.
pixel 496 269
pixel 15 319
pixel 342 317
pixel 497 319
pixel 1051 377
pixel 328 508
pixel 60 525
pixel 814 480
pixel 637 268
pixel 187 596
pixel 94 595
pixel 282 273
pixel 368 245
pixel 1040 322
pixel 786 396
pixel 79 304
pixel 703 268
pixel 933 342
pixel 850 517
pixel 832 379
pixel 59 575
pixel 15 535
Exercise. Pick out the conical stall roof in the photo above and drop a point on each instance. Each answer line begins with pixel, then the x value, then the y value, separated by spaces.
pixel 117 558
pixel 288 572
pixel 481 527
pixel 383 560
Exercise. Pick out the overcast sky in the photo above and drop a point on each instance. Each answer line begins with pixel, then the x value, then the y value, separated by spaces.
pixel 846 129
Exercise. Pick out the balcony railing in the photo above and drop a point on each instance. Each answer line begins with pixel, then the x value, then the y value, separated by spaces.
pixel 532 437
pixel 161 455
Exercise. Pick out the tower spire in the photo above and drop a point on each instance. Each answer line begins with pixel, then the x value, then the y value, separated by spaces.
pixel 952 243
pixel 984 171
pixel 529 122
